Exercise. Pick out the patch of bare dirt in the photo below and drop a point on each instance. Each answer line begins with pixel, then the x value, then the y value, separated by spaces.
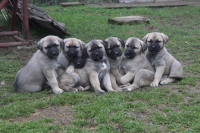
pixel 19 54
pixel 2 83
pixel 61 115
pixel 151 27
pixel 6 39
pixel 192 89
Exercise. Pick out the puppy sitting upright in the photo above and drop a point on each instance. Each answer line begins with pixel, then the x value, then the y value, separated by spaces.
pixel 73 55
pixel 113 48
pixel 95 71
pixel 40 67
pixel 163 62
pixel 135 65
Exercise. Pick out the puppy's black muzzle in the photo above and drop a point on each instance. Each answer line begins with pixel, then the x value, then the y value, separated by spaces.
pixel 53 52
pixel 154 48
pixel 129 53
pixel 72 53
pixel 97 55
pixel 115 52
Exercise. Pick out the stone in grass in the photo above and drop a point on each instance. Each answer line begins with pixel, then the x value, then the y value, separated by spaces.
pixel 128 20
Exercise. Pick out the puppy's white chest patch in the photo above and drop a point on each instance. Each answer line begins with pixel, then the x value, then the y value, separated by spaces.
pixel 104 66
pixel 102 70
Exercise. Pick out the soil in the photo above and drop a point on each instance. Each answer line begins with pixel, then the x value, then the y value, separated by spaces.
pixel 61 115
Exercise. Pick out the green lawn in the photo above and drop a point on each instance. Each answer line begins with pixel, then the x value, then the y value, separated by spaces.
pixel 167 108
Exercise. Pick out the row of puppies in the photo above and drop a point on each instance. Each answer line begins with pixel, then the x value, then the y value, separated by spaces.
pixel 96 65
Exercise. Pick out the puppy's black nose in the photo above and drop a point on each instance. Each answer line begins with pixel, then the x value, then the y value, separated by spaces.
pixel 116 53
pixel 127 52
pixel 96 54
pixel 54 53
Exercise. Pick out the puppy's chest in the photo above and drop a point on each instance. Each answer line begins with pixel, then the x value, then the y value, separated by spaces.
pixel 128 65
pixel 51 64
pixel 155 61
pixel 101 68
pixel 114 64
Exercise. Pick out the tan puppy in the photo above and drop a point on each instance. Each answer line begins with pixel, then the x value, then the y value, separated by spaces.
pixel 40 67
pixel 163 62
pixel 135 66
pixel 95 71
pixel 73 51
pixel 113 48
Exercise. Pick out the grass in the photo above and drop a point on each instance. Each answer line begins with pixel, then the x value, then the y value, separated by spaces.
pixel 168 108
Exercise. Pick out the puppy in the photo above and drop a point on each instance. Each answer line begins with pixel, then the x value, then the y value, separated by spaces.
pixel 163 62
pixel 135 66
pixel 113 48
pixel 41 66
pixel 72 55
pixel 95 71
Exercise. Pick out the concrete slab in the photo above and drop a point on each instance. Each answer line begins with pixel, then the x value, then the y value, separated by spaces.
pixel 128 20
pixel 71 4
pixel 145 1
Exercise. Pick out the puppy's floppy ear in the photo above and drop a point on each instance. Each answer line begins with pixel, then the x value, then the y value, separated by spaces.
pixel 64 41
pixel 84 53
pixel 122 42
pixel 105 44
pixel 40 44
pixel 82 44
pixel 145 38
pixel 143 45
pixel 165 37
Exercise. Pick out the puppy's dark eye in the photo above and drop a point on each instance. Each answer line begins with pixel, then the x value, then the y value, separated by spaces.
pixel 134 47
pixel 157 41
pixel 72 46
pixel 150 41
pixel 51 46
pixel 115 46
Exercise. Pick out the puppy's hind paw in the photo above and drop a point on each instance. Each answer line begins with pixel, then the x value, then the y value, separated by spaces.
pixel 112 91
pixel 80 88
pixel 167 81
pixel 163 82
pixel 128 89
pixel 57 91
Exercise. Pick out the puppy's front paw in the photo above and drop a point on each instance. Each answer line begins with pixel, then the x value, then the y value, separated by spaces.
pixel 57 91
pixel 70 70
pixel 154 84
pixel 100 92
pixel 112 90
